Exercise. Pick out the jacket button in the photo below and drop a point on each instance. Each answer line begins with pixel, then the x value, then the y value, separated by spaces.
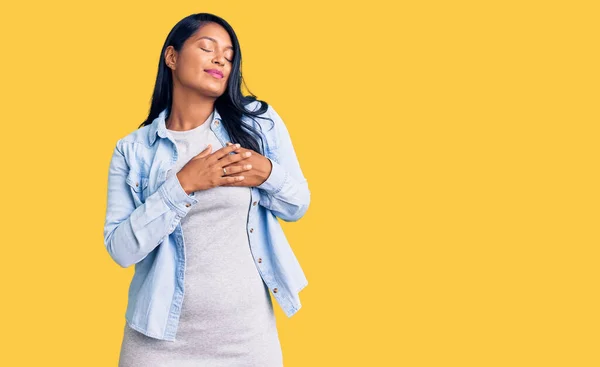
pixel 254 203
pixel 274 290
pixel 188 204
pixel 137 184
pixel 216 122
pixel 251 230
pixel 259 260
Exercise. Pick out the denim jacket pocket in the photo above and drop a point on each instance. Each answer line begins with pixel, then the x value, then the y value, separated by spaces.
pixel 137 184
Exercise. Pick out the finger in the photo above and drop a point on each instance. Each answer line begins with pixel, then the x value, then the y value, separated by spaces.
pixel 240 149
pixel 203 153
pixel 224 151
pixel 206 151
pixel 231 180
pixel 239 183
pixel 227 160
pixel 234 183
pixel 230 170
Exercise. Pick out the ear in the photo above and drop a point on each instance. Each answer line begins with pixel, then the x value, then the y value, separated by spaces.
pixel 171 57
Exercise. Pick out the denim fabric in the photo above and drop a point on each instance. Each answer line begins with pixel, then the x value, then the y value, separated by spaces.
pixel 144 210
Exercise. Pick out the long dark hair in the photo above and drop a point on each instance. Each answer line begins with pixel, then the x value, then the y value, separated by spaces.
pixel 231 104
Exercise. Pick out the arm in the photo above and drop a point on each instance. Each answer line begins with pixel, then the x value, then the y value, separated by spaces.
pixel 131 233
pixel 285 191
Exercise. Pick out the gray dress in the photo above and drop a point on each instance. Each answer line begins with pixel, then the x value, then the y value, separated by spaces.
pixel 227 314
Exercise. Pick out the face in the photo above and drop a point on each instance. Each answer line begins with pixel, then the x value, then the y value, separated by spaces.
pixel 201 58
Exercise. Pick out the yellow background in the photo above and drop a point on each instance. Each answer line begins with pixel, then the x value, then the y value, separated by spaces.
pixel 451 149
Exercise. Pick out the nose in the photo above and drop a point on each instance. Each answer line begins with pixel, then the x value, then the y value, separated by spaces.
pixel 219 59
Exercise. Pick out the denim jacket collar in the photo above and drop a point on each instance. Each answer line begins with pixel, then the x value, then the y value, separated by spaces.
pixel 159 126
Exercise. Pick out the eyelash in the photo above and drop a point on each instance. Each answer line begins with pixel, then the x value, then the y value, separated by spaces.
pixel 211 51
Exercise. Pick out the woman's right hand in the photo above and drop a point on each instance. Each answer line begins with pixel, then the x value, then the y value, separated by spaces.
pixel 205 170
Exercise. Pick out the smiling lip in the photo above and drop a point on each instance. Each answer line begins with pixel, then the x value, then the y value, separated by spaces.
pixel 215 73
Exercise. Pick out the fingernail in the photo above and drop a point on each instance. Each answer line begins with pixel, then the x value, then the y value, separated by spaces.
pixel 237 145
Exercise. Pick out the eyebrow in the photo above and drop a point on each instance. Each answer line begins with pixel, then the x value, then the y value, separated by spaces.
pixel 214 40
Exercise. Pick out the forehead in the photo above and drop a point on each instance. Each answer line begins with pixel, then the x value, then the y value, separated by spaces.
pixel 212 32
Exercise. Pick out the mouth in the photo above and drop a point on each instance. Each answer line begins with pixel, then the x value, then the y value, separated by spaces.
pixel 215 73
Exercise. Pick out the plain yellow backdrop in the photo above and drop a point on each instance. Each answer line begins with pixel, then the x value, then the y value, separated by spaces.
pixel 451 149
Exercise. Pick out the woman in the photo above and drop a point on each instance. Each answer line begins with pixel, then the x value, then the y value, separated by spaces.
pixel 194 195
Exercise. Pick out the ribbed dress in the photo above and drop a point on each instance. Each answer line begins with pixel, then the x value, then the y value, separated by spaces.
pixel 227 316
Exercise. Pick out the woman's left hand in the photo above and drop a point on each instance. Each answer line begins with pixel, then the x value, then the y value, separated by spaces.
pixel 257 174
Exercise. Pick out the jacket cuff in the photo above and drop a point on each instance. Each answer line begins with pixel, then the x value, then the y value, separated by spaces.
pixel 175 196
pixel 277 178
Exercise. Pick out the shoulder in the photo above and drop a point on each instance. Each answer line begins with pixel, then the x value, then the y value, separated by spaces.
pixel 135 149
pixel 256 105
pixel 138 136
pixel 269 119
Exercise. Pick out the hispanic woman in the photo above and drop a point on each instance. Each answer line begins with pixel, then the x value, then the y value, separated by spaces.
pixel 194 194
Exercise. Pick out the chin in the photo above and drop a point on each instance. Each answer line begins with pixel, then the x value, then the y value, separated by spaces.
pixel 212 93
pixel 210 89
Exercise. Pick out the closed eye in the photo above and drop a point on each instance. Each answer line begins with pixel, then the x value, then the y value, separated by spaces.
pixel 211 51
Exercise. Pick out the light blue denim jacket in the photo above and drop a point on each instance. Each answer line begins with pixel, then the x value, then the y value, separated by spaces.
pixel 144 210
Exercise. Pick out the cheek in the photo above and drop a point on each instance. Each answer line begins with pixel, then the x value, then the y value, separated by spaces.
pixel 228 74
pixel 195 64
pixel 185 68
pixel 196 72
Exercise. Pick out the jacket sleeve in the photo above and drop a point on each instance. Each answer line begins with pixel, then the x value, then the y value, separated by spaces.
pixel 130 232
pixel 285 192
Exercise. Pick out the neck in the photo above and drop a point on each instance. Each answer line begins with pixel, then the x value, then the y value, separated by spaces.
pixel 188 110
